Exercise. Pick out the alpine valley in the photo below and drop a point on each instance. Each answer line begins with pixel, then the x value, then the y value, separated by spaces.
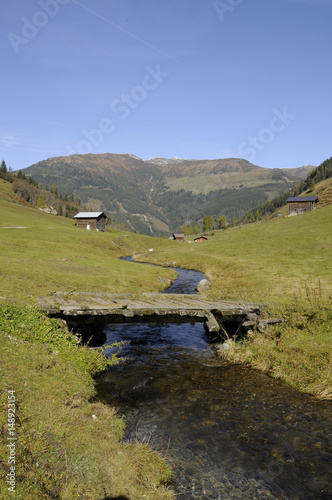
pixel 158 196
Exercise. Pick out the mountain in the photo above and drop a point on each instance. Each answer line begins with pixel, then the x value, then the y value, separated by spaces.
pixel 159 195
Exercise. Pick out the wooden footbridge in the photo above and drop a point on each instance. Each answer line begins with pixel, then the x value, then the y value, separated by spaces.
pixel 78 307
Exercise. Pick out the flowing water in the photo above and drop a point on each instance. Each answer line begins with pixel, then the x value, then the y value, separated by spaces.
pixel 227 432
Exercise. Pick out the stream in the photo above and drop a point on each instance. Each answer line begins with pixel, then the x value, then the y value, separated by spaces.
pixel 227 432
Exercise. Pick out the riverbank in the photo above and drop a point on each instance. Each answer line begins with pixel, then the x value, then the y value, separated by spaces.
pixel 284 264
pixel 297 351
pixel 65 443
pixel 68 445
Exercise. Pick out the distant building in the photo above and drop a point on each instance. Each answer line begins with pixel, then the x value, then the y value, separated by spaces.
pixel 91 220
pixel 200 238
pixel 301 204
pixel 178 237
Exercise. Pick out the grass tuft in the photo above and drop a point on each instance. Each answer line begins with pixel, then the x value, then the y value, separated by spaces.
pixel 298 350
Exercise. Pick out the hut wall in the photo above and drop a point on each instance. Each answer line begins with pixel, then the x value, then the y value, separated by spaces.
pixel 301 207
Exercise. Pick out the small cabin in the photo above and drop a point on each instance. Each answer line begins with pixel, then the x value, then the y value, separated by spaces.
pixel 200 238
pixel 301 204
pixel 178 237
pixel 91 220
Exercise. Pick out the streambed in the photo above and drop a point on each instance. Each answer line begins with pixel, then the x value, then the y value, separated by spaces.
pixel 228 432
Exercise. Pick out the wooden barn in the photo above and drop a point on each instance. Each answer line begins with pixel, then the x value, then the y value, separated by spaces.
pixel 301 204
pixel 199 239
pixel 91 220
pixel 178 237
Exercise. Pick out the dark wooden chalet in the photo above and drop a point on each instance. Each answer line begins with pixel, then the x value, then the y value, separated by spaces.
pixel 91 220
pixel 178 237
pixel 301 204
pixel 200 238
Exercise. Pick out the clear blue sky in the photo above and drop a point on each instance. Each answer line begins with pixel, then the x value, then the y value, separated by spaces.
pixel 186 78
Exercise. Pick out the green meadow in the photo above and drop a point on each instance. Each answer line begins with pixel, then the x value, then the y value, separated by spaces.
pixel 40 254
pixel 69 444
pixel 268 261
pixel 284 264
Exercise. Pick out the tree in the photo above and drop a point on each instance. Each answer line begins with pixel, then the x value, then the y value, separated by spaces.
pixel 208 222
pixel 234 221
pixel 41 203
pixel 3 169
pixel 251 217
pixel 222 222
pixel 312 185
pixel 54 189
pixel 258 215
pixel 205 223
pixel 190 229
pixel 195 230
pixel 20 175
pixel 185 229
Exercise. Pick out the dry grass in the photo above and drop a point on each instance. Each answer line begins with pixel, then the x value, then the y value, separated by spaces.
pixel 297 351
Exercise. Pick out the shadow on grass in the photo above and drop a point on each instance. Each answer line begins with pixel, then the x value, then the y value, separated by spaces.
pixel 121 497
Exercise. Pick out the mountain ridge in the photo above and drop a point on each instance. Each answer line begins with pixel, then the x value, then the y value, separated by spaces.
pixel 158 195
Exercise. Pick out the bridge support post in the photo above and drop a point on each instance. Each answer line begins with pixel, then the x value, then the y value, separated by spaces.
pixel 211 324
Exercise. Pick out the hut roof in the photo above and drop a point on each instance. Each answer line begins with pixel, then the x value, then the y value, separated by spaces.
pixel 88 215
pixel 201 237
pixel 302 198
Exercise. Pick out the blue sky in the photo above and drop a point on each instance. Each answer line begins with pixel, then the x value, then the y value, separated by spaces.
pixel 185 78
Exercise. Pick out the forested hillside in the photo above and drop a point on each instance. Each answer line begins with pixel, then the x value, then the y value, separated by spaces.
pixel 158 196
pixel 25 190
pixel 319 174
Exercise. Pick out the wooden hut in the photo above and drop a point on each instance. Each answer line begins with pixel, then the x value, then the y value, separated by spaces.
pixel 199 239
pixel 91 220
pixel 178 237
pixel 301 204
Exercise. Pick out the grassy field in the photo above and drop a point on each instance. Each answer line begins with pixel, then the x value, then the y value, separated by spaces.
pixel 269 262
pixel 284 263
pixel 68 443
pixel 69 446
pixel 40 254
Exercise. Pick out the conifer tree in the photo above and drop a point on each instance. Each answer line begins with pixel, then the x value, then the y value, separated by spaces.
pixel 54 189
pixel 222 222
pixel 41 203
pixel 3 169
pixel 312 185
